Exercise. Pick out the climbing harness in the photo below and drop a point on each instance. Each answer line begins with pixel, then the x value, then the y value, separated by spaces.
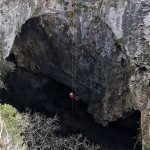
pixel 73 97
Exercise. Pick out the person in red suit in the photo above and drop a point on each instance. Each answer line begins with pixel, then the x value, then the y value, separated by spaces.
pixel 73 97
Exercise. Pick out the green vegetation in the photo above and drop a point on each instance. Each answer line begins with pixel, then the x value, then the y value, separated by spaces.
pixel 13 124
pixel 25 131
pixel 121 41
pixel 69 14
pixel 61 2
pixel 37 11
pixel 5 68
pixel 147 145
pixel 81 6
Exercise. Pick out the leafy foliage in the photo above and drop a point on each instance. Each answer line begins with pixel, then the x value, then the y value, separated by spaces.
pixel 15 125
pixel 39 132
pixel 5 68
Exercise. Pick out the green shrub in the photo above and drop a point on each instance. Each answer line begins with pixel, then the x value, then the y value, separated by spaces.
pixel 39 132
pixel 5 68
pixel 16 124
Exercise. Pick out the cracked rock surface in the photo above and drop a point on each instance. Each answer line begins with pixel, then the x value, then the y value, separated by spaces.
pixel 112 53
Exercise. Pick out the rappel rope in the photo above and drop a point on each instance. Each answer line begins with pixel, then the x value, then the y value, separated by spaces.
pixel 74 55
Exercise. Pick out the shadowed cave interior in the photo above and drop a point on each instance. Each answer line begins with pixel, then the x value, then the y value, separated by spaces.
pixel 41 93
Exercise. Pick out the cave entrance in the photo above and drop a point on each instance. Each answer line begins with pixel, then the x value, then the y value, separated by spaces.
pixel 31 87
pixel 43 94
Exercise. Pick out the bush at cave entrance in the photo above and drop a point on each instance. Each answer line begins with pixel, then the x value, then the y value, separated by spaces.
pixel 41 135
pixel 12 127
pixel 5 68
pixel 36 131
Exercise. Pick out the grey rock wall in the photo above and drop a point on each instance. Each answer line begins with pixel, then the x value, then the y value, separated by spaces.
pixel 112 54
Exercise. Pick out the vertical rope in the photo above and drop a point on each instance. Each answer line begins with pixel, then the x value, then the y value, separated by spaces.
pixel 74 59
pixel 72 105
pixel 72 66
pixel 75 48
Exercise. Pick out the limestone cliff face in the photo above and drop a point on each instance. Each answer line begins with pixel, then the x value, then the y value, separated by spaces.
pixel 13 14
pixel 112 53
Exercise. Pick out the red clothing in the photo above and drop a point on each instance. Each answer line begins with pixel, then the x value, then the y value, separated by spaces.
pixel 73 96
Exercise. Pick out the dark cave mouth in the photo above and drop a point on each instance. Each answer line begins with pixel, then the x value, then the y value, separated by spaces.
pixel 51 97
pixel 36 91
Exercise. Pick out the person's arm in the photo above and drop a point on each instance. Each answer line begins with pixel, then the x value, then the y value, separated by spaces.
pixel 77 97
